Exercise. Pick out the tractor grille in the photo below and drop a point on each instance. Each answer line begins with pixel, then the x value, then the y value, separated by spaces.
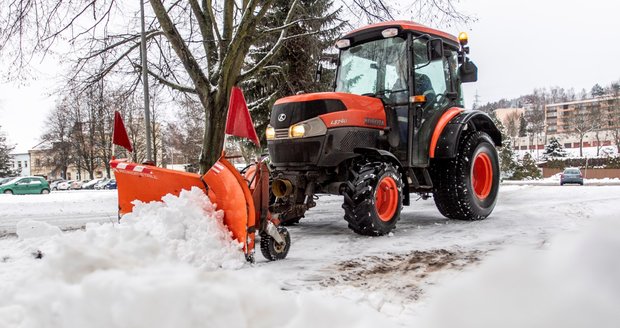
pixel 299 152
pixel 281 133
pixel 354 139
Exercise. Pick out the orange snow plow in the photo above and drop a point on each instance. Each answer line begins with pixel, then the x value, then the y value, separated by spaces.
pixel 243 199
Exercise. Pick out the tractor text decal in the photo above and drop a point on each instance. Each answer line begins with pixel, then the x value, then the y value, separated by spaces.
pixel 338 121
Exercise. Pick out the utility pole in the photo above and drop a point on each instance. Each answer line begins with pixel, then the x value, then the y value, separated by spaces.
pixel 145 84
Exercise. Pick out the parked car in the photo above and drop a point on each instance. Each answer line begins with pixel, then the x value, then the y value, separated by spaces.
pixel 5 180
pixel 65 185
pixel 91 184
pixel 54 184
pixel 25 185
pixel 77 184
pixel 101 184
pixel 110 185
pixel 571 175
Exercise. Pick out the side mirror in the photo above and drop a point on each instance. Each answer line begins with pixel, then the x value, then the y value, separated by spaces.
pixel 468 72
pixel 435 49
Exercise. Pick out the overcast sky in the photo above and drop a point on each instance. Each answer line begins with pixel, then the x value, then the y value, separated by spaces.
pixel 517 45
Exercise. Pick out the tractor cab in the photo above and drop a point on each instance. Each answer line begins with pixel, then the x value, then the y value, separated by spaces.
pixel 414 70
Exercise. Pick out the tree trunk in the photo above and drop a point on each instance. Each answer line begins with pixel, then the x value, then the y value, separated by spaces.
pixel 215 124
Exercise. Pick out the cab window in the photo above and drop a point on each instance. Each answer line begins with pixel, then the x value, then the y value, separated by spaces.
pixel 430 76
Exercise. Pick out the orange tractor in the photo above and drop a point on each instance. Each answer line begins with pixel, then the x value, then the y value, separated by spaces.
pixel 394 125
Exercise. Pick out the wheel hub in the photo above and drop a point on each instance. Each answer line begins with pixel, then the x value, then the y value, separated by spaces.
pixel 482 175
pixel 386 198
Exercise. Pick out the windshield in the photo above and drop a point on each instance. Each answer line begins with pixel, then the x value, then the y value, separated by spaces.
pixel 377 68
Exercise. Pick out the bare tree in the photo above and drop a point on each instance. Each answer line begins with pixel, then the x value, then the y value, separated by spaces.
pixel 614 114
pixel 57 132
pixel 580 123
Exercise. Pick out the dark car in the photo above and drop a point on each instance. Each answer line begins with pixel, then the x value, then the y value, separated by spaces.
pixel 110 185
pixel 571 175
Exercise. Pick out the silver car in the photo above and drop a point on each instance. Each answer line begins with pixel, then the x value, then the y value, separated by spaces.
pixel 571 175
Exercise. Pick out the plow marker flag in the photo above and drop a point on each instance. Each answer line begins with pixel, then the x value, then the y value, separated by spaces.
pixel 119 137
pixel 239 123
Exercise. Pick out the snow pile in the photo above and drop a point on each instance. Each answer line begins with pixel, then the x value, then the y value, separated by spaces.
pixel 36 229
pixel 573 283
pixel 187 228
pixel 161 267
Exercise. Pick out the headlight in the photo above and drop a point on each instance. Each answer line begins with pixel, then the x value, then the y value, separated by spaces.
pixel 310 128
pixel 270 133
pixel 297 131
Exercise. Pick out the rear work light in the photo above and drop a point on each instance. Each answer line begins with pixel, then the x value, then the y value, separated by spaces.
pixel 389 32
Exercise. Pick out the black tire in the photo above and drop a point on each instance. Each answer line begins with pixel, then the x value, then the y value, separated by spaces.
pixel 8 192
pixel 360 203
pixel 453 182
pixel 273 251
pixel 45 191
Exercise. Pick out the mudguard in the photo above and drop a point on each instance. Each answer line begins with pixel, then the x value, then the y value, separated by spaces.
pixel 222 183
pixel 447 143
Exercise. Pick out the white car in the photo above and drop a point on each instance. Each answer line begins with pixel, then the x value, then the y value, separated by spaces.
pixel 91 184
pixel 65 185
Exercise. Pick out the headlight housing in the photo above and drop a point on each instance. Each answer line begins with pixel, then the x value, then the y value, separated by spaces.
pixel 270 133
pixel 310 128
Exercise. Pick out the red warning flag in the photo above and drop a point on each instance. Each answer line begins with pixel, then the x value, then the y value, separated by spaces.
pixel 120 134
pixel 239 123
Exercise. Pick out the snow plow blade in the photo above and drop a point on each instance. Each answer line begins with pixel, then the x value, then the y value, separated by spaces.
pixel 222 183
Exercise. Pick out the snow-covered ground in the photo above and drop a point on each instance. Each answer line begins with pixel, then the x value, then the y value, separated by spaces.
pixel 65 209
pixel 546 257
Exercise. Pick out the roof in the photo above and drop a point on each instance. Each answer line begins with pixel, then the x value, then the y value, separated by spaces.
pixel 408 26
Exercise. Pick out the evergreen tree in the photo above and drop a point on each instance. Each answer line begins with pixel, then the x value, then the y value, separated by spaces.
pixel 5 149
pixel 507 162
pixel 597 91
pixel 522 126
pixel 527 169
pixel 293 69
pixel 554 149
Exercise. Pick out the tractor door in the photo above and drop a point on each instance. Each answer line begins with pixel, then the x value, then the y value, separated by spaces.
pixel 436 80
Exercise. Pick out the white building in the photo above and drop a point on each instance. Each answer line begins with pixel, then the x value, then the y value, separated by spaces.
pixel 20 163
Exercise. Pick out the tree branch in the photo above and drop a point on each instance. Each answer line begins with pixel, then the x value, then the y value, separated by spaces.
pixel 167 83
pixel 265 60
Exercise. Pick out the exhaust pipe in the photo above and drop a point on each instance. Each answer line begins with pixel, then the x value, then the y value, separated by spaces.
pixel 281 187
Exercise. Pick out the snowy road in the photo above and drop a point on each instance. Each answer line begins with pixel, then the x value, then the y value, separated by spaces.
pixel 396 275
pixel 65 209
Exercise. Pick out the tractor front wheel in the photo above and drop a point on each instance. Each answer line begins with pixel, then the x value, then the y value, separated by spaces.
pixel 373 201
pixel 271 249
pixel 465 187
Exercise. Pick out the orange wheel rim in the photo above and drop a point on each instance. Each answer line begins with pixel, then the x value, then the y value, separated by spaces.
pixel 482 175
pixel 386 198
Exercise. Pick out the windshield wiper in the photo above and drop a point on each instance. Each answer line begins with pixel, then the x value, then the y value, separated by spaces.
pixel 382 92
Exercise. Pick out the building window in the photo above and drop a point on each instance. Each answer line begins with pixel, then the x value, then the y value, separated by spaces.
pixel 25 163
pixel 37 162
pixel 567 145
pixel 575 145
pixel 19 164
pixel 565 107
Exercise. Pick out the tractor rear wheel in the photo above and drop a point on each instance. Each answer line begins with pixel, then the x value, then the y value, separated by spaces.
pixel 373 201
pixel 465 187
